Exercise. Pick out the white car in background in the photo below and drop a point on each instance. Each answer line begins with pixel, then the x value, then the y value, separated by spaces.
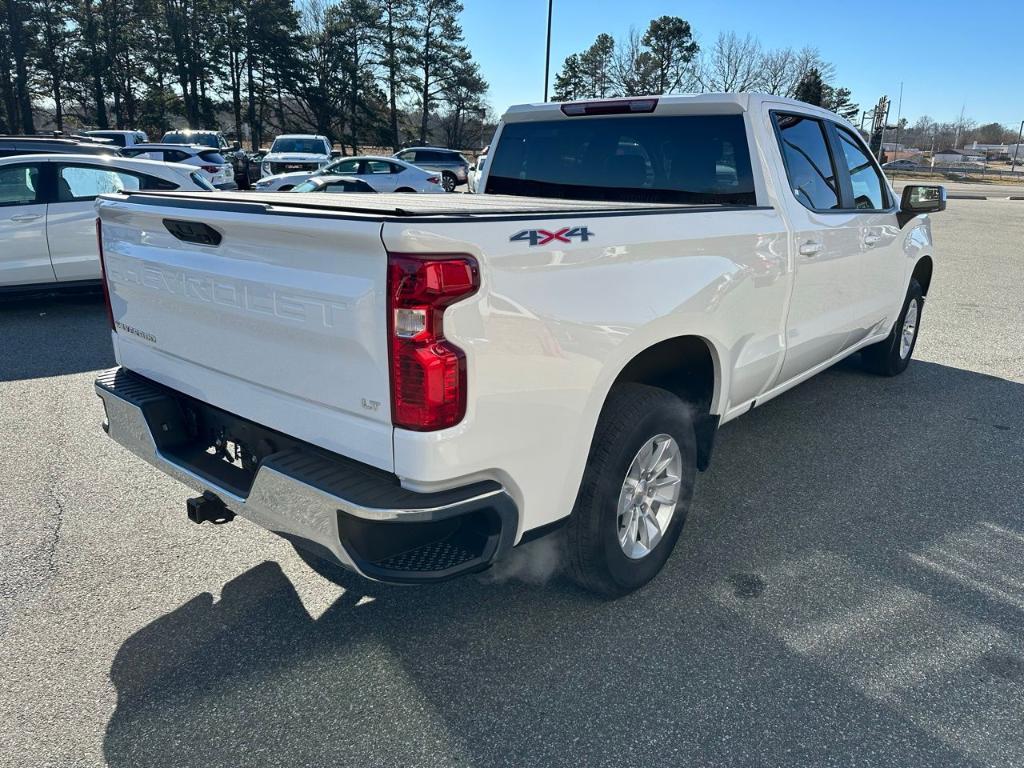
pixel 296 152
pixel 119 138
pixel 475 172
pixel 217 169
pixel 383 174
pixel 47 214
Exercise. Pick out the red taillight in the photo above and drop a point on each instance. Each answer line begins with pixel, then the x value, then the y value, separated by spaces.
pixel 211 168
pixel 434 180
pixel 428 372
pixel 103 277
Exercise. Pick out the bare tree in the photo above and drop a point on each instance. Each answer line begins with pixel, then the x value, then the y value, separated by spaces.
pixel 732 64
pixel 779 71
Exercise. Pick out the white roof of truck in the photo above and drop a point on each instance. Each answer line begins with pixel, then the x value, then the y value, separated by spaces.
pixel 675 104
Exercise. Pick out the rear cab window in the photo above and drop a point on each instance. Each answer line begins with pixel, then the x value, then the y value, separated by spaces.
pixel 683 159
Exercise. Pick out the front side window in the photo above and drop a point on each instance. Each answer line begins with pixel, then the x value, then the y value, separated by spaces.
pixel 684 159
pixel 407 156
pixel 868 190
pixel 76 183
pixel 808 161
pixel 344 166
pixel 19 184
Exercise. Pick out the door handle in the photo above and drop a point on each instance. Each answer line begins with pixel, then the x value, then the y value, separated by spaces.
pixel 811 248
pixel 871 239
pixel 27 217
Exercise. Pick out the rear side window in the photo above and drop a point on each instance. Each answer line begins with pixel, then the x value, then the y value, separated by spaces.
pixel 809 167
pixel 18 184
pixel 866 180
pixel 214 158
pixel 76 183
pixel 700 159
pixel 175 138
pixel 146 154
pixel 175 155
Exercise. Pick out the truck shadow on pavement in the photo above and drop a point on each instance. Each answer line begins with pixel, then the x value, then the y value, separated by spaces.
pixel 53 335
pixel 847 590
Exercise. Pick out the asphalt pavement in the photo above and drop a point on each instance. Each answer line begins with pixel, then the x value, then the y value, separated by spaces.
pixel 848 590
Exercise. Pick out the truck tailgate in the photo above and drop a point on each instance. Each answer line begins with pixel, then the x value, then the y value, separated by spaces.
pixel 283 322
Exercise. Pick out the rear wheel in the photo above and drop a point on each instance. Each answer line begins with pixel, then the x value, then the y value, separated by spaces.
pixel 448 181
pixel 891 356
pixel 405 189
pixel 636 490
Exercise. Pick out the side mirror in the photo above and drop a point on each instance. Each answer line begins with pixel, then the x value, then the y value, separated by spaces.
pixel 472 167
pixel 921 198
pixel 335 153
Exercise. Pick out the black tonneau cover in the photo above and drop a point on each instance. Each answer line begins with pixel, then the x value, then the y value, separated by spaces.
pixel 401 205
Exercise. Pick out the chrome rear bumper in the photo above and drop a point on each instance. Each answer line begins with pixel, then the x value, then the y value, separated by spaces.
pixel 340 509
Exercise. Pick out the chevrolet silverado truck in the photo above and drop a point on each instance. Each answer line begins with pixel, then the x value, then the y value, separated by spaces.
pixel 410 386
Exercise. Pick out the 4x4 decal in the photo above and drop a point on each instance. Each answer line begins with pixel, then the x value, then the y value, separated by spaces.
pixel 543 236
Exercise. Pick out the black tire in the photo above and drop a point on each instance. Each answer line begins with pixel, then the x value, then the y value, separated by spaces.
pixel 632 415
pixel 886 358
pixel 448 181
pixel 405 189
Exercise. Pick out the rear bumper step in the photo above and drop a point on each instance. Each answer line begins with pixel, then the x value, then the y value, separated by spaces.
pixel 333 506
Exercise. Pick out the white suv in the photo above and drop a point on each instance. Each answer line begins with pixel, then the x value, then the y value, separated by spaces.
pixel 296 152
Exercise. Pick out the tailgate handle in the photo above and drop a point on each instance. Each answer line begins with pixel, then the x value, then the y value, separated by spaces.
pixel 193 231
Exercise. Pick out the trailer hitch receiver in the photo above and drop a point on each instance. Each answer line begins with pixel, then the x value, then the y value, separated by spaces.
pixel 208 508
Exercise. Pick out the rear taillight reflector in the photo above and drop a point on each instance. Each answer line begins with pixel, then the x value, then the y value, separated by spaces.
pixel 103 277
pixel 211 168
pixel 619 107
pixel 434 180
pixel 428 372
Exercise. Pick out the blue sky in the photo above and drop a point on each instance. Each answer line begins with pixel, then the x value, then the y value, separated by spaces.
pixel 945 59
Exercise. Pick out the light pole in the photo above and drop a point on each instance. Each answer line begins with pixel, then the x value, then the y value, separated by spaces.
pixel 547 52
pixel 1016 147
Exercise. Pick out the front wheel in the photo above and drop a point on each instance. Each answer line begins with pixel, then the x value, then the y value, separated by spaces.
pixel 636 490
pixel 891 356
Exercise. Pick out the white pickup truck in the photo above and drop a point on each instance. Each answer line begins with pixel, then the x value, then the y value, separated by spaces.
pixel 411 386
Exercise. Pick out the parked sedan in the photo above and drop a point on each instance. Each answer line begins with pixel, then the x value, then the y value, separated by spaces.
pixel 334 184
pixel 217 169
pixel 383 174
pixel 48 218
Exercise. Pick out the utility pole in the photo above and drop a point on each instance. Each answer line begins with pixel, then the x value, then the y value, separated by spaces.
pixel 959 124
pixel 1016 148
pixel 899 114
pixel 547 53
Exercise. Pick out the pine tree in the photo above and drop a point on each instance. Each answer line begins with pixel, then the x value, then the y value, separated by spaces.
pixel 810 89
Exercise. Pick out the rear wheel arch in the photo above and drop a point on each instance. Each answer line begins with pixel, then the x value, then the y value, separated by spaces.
pixel 688 367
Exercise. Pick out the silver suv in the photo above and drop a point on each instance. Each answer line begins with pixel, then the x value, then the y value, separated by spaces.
pixel 452 166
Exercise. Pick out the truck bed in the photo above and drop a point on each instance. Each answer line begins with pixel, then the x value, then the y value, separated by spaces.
pixel 398 206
